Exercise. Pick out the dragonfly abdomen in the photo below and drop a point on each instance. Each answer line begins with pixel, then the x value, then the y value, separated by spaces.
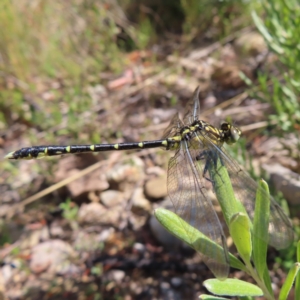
pixel 43 151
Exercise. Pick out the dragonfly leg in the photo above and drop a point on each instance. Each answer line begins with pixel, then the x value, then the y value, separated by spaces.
pixel 204 155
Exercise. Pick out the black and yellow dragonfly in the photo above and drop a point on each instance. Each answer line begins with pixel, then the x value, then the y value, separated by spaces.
pixel 194 168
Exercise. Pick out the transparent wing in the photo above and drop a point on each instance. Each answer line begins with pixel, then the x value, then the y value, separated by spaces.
pixel 193 108
pixel 189 197
pixel 173 128
pixel 190 115
pixel 281 232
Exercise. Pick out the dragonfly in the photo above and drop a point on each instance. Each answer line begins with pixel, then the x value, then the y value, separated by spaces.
pixel 193 169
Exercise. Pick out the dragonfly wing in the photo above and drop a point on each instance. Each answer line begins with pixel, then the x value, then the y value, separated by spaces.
pixel 192 109
pixel 189 197
pixel 173 128
pixel 281 233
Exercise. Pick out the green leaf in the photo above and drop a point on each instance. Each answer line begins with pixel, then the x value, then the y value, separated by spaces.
pixel 297 284
pixel 232 287
pixel 240 231
pixel 201 243
pixel 210 297
pixel 285 290
pixel 260 228
pixel 224 191
pixel 261 27
pixel 267 281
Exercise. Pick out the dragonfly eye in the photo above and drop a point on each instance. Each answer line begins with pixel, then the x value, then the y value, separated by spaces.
pixel 235 134
pixel 232 133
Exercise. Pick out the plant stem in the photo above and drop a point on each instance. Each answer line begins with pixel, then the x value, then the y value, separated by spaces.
pixel 259 282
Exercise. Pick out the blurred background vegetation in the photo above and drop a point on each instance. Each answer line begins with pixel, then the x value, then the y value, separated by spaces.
pixel 60 62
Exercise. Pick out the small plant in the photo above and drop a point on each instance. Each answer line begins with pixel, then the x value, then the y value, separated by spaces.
pixel 70 211
pixel 249 237
pixel 280 29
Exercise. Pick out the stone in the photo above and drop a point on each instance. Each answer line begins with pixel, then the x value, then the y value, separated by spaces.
pixel 250 44
pixel 96 213
pixel 156 188
pixel 140 205
pixel 285 181
pixel 111 198
pixel 54 256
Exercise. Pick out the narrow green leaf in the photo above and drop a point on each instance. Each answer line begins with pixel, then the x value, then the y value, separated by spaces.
pixel 267 281
pixel 285 290
pixel 297 284
pixel 260 228
pixel 210 297
pixel 224 191
pixel 240 231
pixel 232 287
pixel 261 27
pixel 195 239
pixel 298 251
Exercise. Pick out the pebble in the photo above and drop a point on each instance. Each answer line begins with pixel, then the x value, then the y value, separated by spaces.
pixel 168 292
pixel 139 247
pixel 111 198
pixel 115 275
pixel 176 282
pixel 96 213
pixel 127 171
pixel 250 44
pixel 156 188
pixel 7 272
pixel 285 181
pixel 140 205
pixel 53 256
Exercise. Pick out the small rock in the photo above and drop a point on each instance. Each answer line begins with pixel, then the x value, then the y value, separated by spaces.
pixel 105 234
pixel 138 247
pixel 7 272
pixel 85 241
pixel 93 182
pixel 72 166
pixel 285 181
pixel 140 205
pixel 111 198
pixel 228 76
pixel 135 288
pixel 54 256
pixel 56 230
pixel 95 213
pixel 128 171
pixel 250 44
pixel 168 292
pixel 156 188
pixel 176 281
pixel 115 275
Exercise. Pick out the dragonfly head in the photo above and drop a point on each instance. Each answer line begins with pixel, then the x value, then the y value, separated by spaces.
pixel 231 133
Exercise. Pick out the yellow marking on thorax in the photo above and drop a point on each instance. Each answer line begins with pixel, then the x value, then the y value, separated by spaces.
pixel 46 151
pixel 175 146
pixel 175 138
pixel 186 131
pixel 92 147
pixel 141 145
pixel 116 146
pixel 68 149
pixel 165 143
